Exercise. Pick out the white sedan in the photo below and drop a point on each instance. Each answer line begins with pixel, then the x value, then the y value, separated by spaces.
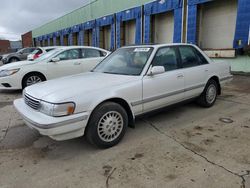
pixel 62 61
pixel 132 81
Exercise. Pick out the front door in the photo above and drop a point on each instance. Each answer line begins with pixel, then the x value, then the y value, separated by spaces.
pixel 70 63
pixel 166 88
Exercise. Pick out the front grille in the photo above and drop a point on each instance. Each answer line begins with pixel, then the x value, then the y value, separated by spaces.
pixel 31 102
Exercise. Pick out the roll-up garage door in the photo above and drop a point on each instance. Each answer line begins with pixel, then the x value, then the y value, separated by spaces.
pixel 75 38
pixel 51 41
pixel 105 37
pixel 163 28
pixel 130 29
pixel 216 24
pixel 58 41
pixel 65 40
pixel 88 37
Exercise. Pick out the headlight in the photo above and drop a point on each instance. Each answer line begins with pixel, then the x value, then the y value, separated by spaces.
pixel 57 110
pixel 4 73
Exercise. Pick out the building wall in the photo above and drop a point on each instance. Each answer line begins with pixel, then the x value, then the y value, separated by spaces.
pixel 27 40
pixel 212 24
pixel 4 46
pixel 94 10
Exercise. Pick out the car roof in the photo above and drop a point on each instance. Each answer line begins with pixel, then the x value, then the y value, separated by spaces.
pixel 158 45
pixel 49 47
pixel 73 47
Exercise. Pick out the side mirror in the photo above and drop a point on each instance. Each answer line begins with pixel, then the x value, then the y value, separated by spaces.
pixel 55 59
pixel 156 70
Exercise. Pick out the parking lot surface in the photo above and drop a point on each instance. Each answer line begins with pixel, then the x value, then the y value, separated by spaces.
pixel 183 146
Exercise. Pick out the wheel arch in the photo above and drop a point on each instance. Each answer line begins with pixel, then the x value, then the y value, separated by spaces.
pixel 124 104
pixel 217 80
pixel 32 73
pixel 11 57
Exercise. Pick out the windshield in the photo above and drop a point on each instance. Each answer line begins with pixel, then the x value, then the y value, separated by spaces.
pixel 19 51
pixel 125 61
pixel 48 55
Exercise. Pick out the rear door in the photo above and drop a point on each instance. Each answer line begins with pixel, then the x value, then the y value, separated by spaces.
pixel 166 88
pixel 69 64
pixel 195 69
pixel 91 57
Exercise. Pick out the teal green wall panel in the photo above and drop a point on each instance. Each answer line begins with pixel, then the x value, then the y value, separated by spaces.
pixel 94 10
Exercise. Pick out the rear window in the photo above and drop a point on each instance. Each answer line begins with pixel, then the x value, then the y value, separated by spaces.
pixel 37 52
pixel 47 50
pixel 89 53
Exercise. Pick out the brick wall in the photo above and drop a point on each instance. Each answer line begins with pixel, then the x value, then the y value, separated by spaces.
pixel 4 46
pixel 27 40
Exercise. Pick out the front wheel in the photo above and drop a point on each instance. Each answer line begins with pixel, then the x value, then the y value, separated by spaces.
pixel 31 79
pixel 209 95
pixel 107 125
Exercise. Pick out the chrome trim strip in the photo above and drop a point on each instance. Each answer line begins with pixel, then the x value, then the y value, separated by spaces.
pixel 54 125
pixel 166 95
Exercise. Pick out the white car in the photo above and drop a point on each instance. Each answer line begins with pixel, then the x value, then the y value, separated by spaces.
pixel 57 63
pixel 131 81
pixel 39 52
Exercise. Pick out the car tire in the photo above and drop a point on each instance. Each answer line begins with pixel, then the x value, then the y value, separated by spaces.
pixel 13 59
pixel 209 95
pixel 107 125
pixel 32 78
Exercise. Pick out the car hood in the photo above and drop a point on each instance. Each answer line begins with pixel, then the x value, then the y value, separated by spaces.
pixel 16 65
pixel 59 90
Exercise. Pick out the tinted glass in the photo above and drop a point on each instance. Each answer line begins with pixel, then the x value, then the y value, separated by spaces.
pixel 25 51
pixel 37 51
pixel 125 61
pixel 69 54
pixel 88 53
pixel 202 59
pixel 166 57
pixel 188 57
pixel 47 50
pixel 48 55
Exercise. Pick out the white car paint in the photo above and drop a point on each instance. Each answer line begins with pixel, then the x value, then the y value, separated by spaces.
pixel 48 68
pixel 142 93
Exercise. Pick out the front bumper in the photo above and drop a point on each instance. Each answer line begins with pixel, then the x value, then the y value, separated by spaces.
pixel 4 60
pixel 14 82
pixel 58 128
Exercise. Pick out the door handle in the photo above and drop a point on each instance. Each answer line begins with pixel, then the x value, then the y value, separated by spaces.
pixel 77 63
pixel 180 76
pixel 206 70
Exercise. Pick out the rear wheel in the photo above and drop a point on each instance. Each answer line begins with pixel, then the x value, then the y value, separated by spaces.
pixel 209 95
pixel 31 79
pixel 13 59
pixel 107 125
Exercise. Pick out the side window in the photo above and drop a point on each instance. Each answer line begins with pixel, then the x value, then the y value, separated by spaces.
pixel 47 50
pixel 202 59
pixel 190 57
pixel 166 57
pixel 69 54
pixel 103 54
pixel 32 49
pixel 88 53
pixel 26 51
